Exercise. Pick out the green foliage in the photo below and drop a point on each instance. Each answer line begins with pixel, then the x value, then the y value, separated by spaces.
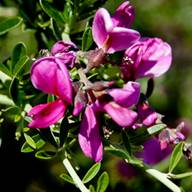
pixel 102 182
pixel 67 178
pixel 87 39
pixel 176 156
pixel 9 24
pixel 124 155
pixel 34 142
pixel 156 128
pixel 52 12
pixel 45 155
pixel 91 173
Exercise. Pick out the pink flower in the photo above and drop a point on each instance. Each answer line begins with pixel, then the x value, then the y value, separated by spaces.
pixel 89 135
pixel 44 115
pixel 121 100
pixel 146 114
pixel 124 15
pixel 66 51
pixel 112 33
pixel 148 57
pixel 170 136
pixel 152 153
pixel 50 75
pixel 116 104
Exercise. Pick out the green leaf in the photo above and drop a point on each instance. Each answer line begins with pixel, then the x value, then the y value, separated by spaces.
pixel 156 128
pixel 87 39
pixel 52 12
pixel 39 143
pixel 9 24
pixel 91 188
pixel 102 182
pixel 64 129
pixel 66 178
pixel 180 176
pixel 79 26
pixel 14 91
pixel 124 155
pixel 5 70
pixel 162 177
pixel 30 141
pixel 50 98
pixel 91 173
pixel 18 52
pixel 126 142
pixel 176 156
pixel 46 155
pixel 20 64
pixel 55 29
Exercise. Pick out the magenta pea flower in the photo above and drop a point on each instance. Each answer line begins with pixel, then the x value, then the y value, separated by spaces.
pixel 148 57
pixel 152 152
pixel 147 115
pixel 89 135
pixel 66 51
pixel 50 75
pixel 47 114
pixel 170 136
pixel 112 33
pixel 124 15
pixel 122 100
pixel 116 104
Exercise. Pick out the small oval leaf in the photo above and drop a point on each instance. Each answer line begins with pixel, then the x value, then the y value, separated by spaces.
pixel 45 155
pixel 20 64
pixel 91 173
pixel 181 175
pixel 87 39
pixel 64 129
pixel 176 156
pixel 18 52
pixel 26 148
pixel 30 141
pixel 102 182
pixel 66 178
pixel 9 24
pixel 156 128
pixel 91 188
pixel 52 12
pixel 124 155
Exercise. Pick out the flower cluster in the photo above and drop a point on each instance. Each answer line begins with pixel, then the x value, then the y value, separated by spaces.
pixel 126 105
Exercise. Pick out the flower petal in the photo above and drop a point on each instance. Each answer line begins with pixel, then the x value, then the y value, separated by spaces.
pixel 65 50
pixel 80 102
pixel 122 116
pixel 147 115
pixel 121 38
pixel 151 57
pixel 126 96
pixel 156 58
pixel 102 25
pixel 44 115
pixel 50 75
pixel 62 47
pixel 152 153
pixel 89 136
pixel 124 15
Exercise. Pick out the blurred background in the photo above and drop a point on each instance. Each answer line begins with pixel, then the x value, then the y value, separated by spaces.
pixel 172 97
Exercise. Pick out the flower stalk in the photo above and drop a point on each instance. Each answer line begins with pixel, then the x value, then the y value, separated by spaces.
pixel 74 176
